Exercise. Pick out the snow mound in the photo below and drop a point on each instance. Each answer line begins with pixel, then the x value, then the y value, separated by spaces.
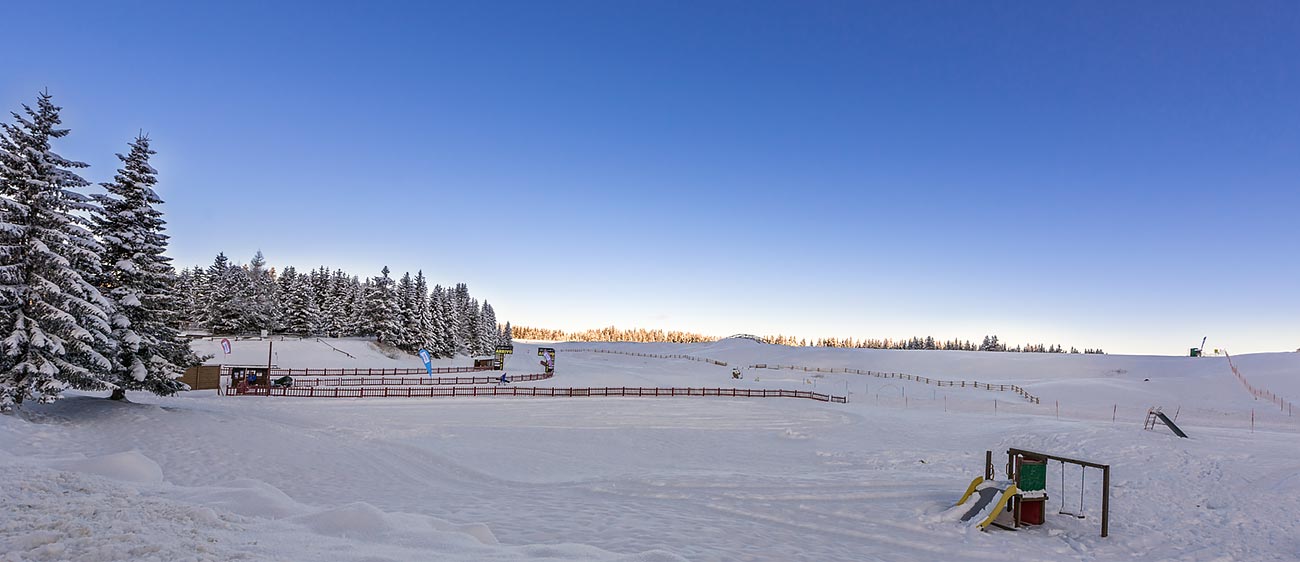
pixel 363 521
pixel 792 434
pixel 479 531
pixel 252 498
pixel 358 520
pixel 56 516
pixel 128 466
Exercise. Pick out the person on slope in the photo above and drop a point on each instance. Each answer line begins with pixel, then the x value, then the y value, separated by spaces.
pixel 504 380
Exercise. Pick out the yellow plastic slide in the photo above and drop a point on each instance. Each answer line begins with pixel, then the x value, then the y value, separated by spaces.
pixel 988 494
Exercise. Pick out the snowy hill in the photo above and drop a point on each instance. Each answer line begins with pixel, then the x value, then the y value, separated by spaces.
pixel 204 477
pixel 299 353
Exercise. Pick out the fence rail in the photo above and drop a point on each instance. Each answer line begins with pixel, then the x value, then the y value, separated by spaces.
pixel 1260 393
pixel 488 391
pixel 413 381
pixel 655 355
pixel 904 376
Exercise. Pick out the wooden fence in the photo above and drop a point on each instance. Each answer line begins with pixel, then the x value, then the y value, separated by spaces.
pixel 505 390
pixel 1282 404
pixel 413 381
pixel 655 355
pixel 904 376
pixel 202 377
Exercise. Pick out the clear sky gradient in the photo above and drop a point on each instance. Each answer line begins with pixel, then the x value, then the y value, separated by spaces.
pixel 1098 174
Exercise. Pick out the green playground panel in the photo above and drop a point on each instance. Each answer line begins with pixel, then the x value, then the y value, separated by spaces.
pixel 1033 476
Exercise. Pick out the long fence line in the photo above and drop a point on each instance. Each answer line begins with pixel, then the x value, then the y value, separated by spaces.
pixel 927 380
pixel 1282 404
pixel 413 381
pixel 275 372
pixel 655 355
pixel 904 376
pixel 489 391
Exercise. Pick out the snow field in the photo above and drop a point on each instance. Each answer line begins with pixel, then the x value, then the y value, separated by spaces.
pixel 655 478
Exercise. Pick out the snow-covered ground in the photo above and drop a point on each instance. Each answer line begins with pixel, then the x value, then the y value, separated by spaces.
pixel 205 477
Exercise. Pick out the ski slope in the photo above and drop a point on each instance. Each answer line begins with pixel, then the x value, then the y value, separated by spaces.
pixel 204 477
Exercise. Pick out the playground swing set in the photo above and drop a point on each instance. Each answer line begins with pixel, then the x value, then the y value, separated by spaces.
pixel 1021 499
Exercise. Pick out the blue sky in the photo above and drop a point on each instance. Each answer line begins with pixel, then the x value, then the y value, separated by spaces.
pixel 1097 174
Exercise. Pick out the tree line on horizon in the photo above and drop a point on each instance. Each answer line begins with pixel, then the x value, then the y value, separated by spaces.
pixel 641 335
pixel 611 334
pixel 231 298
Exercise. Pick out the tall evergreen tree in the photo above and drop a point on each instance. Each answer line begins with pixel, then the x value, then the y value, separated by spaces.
pixel 334 309
pixel 489 333
pixel 421 322
pixel 381 308
pixel 262 298
pixel 405 335
pixel 463 320
pixel 139 278
pixel 356 323
pixel 443 330
pixel 284 284
pixel 227 295
pixel 302 316
pixel 191 283
pixel 474 334
pixel 55 320
pixel 320 286
pixel 507 335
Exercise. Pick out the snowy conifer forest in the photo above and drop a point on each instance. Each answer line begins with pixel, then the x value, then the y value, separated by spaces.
pixel 89 300
pixel 230 298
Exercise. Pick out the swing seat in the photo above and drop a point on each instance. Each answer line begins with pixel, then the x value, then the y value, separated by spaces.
pixel 1082 486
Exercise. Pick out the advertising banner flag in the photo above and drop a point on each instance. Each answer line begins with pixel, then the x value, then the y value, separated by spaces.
pixel 428 365
pixel 225 345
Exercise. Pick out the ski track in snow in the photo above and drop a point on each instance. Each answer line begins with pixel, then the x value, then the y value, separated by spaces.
pixel 199 477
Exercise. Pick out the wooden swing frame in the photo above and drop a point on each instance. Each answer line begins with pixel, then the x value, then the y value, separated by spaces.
pixel 1012 453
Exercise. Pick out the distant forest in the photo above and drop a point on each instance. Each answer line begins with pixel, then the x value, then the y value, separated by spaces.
pixel 641 335
pixel 232 298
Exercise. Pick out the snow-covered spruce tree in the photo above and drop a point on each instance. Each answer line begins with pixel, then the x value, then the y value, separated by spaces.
pixel 284 282
pixel 357 307
pixel 462 319
pixel 381 308
pixel 191 282
pixel 334 308
pixel 442 332
pixel 320 286
pixel 489 334
pixel 56 331
pixel 342 311
pixel 474 319
pixel 227 296
pixel 507 335
pixel 421 323
pixel 301 315
pixel 139 279
pixel 405 292
pixel 263 297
